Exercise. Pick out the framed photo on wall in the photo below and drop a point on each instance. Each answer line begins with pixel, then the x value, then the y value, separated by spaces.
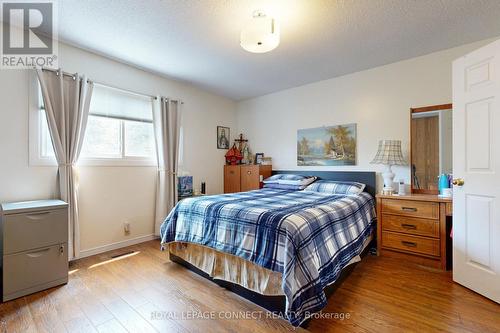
pixel 223 137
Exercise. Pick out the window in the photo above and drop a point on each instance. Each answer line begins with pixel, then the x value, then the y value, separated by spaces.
pixel 46 147
pixel 120 126
pixel 119 130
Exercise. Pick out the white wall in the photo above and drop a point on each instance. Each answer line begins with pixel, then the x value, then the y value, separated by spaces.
pixel 110 195
pixel 378 100
pixel 17 180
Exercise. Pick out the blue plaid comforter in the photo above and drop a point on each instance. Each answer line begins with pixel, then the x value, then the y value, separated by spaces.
pixel 309 237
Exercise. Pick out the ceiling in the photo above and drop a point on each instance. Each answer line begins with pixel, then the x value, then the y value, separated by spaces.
pixel 197 41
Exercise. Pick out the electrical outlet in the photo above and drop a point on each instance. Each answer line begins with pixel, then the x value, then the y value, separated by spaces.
pixel 126 228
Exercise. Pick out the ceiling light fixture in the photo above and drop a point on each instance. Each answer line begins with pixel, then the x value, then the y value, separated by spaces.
pixel 261 34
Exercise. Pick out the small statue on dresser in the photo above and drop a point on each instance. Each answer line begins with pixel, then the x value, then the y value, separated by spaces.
pixel 247 156
pixel 233 156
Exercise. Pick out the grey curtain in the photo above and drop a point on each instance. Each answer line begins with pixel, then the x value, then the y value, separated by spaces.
pixel 67 100
pixel 167 123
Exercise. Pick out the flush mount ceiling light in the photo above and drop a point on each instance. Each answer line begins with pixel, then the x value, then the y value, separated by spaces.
pixel 261 34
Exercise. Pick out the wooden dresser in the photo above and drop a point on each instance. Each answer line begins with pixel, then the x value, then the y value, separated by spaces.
pixel 240 178
pixel 413 227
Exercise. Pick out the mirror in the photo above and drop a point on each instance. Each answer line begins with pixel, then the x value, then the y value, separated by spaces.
pixel 430 146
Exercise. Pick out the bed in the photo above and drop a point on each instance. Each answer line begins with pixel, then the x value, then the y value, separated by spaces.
pixel 278 248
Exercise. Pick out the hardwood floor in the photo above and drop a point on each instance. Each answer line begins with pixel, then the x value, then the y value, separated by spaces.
pixel 143 292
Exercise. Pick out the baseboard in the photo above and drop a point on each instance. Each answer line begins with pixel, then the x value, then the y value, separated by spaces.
pixel 114 246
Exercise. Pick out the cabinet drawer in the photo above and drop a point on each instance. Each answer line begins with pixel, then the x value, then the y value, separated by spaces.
pixel 409 243
pixel 423 209
pixel 410 225
pixel 29 269
pixel 34 230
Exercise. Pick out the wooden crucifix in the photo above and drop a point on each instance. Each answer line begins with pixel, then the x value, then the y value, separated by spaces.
pixel 240 141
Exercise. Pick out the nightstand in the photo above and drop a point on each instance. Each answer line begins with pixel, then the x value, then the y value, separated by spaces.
pixel 413 227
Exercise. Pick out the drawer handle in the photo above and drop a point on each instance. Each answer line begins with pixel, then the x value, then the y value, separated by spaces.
pixel 249 172
pixel 409 209
pixel 409 244
pixel 37 254
pixel 409 226
pixel 37 216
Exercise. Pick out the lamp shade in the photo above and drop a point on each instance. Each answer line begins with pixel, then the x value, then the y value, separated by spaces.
pixel 261 34
pixel 389 153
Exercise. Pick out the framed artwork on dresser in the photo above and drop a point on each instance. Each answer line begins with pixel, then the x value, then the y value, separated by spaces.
pixel 258 158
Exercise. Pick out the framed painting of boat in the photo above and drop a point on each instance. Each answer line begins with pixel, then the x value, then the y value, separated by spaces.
pixel 327 146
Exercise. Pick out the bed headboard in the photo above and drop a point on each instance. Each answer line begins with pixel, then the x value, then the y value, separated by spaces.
pixel 365 177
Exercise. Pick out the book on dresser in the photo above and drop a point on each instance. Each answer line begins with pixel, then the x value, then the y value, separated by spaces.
pixel 413 227
pixel 240 178
pixel 34 246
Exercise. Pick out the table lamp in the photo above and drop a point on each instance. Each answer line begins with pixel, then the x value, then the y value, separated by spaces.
pixel 389 154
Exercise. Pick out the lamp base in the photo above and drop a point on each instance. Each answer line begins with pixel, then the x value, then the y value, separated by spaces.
pixel 387 191
pixel 388 176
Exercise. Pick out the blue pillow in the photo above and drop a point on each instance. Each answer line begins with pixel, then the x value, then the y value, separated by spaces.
pixel 284 176
pixel 336 187
pixel 303 182
pixel 284 186
pixel 290 179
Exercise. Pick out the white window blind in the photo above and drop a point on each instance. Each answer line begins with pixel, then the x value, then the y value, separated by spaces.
pixel 114 103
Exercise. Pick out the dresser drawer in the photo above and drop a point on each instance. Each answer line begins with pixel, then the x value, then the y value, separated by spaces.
pixel 34 230
pixel 27 270
pixel 409 243
pixel 410 225
pixel 422 209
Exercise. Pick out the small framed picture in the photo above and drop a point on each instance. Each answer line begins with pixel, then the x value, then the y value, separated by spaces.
pixel 258 158
pixel 185 186
pixel 223 137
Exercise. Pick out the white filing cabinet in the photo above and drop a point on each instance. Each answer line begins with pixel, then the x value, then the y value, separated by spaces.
pixel 34 246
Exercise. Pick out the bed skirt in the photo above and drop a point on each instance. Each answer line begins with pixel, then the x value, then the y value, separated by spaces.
pixel 223 266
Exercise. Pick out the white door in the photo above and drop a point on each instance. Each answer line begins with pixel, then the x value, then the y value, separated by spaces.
pixel 476 160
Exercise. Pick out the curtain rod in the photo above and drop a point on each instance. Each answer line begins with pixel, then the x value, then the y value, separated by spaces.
pixel 58 71
pixel 102 84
